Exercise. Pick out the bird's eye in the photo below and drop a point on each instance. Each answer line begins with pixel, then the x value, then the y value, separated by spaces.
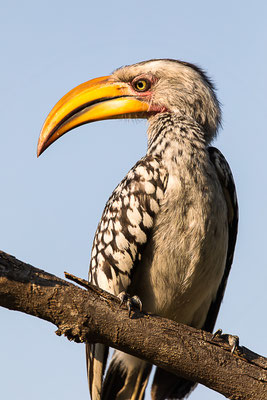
pixel 141 85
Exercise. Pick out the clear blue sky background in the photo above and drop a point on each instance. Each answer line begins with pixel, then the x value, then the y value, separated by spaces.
pixel 50 207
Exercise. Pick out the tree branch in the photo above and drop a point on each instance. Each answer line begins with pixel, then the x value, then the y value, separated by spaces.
pixel 96 316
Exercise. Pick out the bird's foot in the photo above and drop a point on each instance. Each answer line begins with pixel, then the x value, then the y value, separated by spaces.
pixel 232 340
pixel 131 302
pixel 218 333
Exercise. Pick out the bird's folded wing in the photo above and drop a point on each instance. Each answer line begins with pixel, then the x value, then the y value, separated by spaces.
pixel 119 240
pixel 226 179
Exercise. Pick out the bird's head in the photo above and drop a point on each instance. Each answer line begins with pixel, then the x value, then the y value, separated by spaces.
pixel 137 91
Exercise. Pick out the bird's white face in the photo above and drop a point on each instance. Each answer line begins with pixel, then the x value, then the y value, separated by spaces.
pixel 176 87
pixel 137 91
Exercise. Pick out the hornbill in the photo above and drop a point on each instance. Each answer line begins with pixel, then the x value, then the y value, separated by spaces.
pixel 168 231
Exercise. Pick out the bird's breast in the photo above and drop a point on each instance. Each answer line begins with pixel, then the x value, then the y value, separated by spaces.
pixel 183 264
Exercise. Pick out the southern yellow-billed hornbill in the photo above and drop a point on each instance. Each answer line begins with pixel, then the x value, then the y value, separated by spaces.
pixel 168 231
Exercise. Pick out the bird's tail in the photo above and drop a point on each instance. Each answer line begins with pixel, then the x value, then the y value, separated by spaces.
pixel 168 386
pixel 126 378
pixel 96 359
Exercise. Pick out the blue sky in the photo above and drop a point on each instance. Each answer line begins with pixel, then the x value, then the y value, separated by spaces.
pixel 50 206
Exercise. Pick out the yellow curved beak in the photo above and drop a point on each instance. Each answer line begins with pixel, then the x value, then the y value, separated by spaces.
pixel 95 100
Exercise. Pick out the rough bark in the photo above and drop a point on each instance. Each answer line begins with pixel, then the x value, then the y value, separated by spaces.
pixel 95 316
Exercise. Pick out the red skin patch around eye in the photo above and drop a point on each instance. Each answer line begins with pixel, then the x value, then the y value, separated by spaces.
pixel 146 95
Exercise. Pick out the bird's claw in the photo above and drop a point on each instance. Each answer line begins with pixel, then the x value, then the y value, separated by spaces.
pixel 131 302
pixel 217 333
pixel 232 340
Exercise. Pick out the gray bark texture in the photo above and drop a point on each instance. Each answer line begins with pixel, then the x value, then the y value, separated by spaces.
pixel 93 315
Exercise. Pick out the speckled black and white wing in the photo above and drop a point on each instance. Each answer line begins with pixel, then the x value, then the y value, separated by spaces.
pixel 119 240
pixel 125 224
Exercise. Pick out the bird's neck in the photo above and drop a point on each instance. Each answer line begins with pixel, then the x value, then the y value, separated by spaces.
pixel 171 136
